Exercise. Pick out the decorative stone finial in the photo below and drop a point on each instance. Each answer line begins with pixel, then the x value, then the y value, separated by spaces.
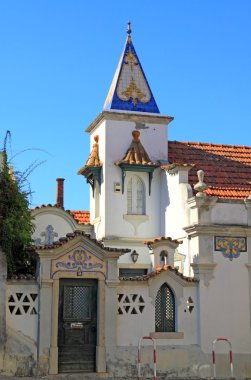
pixel 200 187
pixel 93 159
pixel 136 135
pixel 129 30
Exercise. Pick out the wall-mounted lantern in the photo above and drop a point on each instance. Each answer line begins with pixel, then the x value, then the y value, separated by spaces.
pixel 134 256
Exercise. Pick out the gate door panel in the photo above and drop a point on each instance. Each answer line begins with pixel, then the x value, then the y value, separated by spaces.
pixel 77 325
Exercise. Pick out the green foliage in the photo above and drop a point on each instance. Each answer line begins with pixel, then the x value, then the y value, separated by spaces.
pixel 16 225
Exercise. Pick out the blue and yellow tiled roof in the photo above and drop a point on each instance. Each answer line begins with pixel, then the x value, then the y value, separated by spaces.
pixel 130 90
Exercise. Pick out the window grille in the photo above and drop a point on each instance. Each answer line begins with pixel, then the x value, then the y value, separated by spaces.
pixel 77 302
pixel 165 310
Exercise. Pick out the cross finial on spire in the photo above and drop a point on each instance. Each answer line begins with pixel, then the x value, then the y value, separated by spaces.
pixel 129 30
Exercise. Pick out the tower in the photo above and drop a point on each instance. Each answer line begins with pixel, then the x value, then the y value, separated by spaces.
pixel 129 143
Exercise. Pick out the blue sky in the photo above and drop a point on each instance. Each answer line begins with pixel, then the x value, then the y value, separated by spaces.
pixel 58 59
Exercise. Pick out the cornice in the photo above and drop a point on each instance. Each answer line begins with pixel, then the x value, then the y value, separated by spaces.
pixel 223 229
pixel 163 242
pixel 142 117
pixel 202 202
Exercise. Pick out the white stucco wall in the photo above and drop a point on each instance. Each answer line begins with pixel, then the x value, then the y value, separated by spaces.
pixel 125 261
pixel 130 327
pixel 229 213
pixel 225 305
pixel 179 192
pixel 22 310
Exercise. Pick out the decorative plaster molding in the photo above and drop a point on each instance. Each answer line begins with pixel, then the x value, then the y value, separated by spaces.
pixel 78 260
pixel 204 271
pixel 135 220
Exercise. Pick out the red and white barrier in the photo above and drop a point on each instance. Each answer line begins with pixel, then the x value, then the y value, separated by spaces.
pixel 154 357
pixel 230 356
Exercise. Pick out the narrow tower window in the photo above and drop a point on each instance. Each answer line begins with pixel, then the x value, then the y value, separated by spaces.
pixel 129 197
pixel 97 199
pixel 136 196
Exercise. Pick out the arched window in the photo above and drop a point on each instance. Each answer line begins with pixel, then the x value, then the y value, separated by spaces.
pixel 165 310
pixel 135 196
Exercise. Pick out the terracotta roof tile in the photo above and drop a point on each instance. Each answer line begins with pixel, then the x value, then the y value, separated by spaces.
pixel 93 159
pixel 227 167
pixel 157 272
pixel 82 217
pixel 72 235
pixel 158 239
pixel 136 154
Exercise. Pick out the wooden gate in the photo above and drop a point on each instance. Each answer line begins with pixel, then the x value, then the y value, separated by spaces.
pixel 77 325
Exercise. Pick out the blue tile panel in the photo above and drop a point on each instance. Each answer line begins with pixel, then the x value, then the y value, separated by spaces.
pixel 230 247
pixel 130 90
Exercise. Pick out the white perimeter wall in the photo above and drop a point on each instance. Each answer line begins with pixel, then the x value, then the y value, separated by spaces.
pixel 22 314
pixel 131 327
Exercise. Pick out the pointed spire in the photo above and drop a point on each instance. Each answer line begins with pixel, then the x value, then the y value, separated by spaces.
pixel 130 90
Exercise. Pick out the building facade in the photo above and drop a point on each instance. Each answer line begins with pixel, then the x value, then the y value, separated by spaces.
pixel 163 252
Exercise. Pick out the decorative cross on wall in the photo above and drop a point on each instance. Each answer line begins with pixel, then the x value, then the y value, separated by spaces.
pixel 49 236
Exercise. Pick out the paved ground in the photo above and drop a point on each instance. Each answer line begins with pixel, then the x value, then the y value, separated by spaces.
pixel 99 377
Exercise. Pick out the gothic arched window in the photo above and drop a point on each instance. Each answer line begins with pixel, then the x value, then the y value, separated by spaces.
pixel 165 310
pixel 136 196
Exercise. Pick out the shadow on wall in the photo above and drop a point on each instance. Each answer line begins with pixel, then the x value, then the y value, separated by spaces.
pixel 165 201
